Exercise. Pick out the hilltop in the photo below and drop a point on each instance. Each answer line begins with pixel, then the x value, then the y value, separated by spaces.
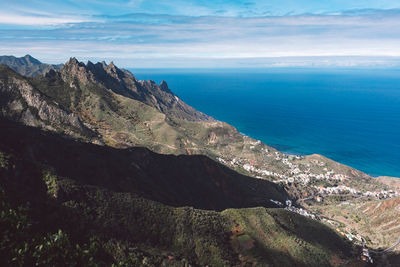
pixel 27 65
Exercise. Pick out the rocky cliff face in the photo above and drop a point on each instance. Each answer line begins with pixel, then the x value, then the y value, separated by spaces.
pixel 22 102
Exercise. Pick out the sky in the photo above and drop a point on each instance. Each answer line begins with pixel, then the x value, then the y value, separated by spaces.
pixel 205 33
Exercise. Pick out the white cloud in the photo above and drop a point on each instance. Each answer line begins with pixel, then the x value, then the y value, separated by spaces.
pixel 37 20
pixel 156 38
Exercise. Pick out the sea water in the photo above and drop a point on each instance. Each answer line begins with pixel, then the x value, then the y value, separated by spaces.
pixel 349 115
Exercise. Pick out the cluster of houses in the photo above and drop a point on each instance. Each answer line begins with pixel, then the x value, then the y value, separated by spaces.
pixel 365 256
pixel 288 206
pixel 336 190
pixel 346 232
pixel 300 173
pixel 293 172
pixel 248 166
pixel 383 194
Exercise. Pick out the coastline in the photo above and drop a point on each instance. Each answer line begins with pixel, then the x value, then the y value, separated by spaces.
pixel 266 108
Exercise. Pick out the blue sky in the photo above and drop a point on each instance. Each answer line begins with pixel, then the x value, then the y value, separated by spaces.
pixel 202 33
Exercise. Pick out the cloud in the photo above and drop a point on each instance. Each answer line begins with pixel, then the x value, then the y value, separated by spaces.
pixel 189 41
pixel 38 20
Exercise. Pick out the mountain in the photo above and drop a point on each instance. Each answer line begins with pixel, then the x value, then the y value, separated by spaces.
pixel 122 82
pixel 376 220
pixel 21 102
pixel 195 181
pixel 108 105
pixel 170 197
pixel 27 65
pixel 99 203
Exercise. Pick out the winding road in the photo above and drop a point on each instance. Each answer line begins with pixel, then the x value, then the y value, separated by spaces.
pixel 388 249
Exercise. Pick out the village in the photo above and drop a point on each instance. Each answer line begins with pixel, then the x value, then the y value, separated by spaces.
pixel 325 180
pixel 295 171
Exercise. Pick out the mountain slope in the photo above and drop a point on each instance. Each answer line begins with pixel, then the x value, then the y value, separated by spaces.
pixel 27 65
pixel 20 101
pixel 101 104
pixel 81 192
pixel 124 112
pixel 195 181
pixel 122 82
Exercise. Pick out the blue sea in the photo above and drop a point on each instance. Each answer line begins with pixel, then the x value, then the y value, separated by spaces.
pixel 349 115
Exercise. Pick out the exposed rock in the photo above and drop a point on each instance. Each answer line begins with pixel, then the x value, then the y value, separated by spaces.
pixel 21 100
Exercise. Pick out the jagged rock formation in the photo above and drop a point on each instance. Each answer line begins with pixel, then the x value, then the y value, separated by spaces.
pixel 24 103
pixel 122 82
pixel 27 65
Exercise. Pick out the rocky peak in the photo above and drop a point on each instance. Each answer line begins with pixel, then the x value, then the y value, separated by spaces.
pixel 164 87
pixel 122 82
pixel 90 64
pixel 76 69
pixel 112 66
pixel 31 60
pixel 73 62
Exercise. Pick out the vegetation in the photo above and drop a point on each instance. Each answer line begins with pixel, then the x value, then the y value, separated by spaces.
pixel 54 213
pixel 280 237
pixel 21 246
pixel 68 201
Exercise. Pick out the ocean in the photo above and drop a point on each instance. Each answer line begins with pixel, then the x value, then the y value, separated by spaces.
pixel 349 115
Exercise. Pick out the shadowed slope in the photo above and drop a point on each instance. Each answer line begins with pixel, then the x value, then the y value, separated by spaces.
pixel 174 180
pixel 95 191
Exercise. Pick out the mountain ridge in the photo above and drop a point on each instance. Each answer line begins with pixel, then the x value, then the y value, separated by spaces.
pixel 27 65
pixel 117 110
pixel 105 108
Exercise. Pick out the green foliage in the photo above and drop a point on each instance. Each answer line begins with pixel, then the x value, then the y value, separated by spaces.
pixel 56 249
pixel 4 160
pixel 105 192
pixel 22 247
pixel 283 238
pixel 13 224
pixel 51 182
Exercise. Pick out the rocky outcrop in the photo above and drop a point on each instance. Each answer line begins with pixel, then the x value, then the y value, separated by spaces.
pixel 122 82
pixel 22 102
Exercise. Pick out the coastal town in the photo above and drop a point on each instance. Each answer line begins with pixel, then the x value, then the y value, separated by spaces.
pixel 314 173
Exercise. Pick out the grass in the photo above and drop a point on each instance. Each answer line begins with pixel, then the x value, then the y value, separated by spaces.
pixel 281 237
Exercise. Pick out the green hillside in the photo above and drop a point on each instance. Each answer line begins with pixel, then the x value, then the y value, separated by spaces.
pixel 115 220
